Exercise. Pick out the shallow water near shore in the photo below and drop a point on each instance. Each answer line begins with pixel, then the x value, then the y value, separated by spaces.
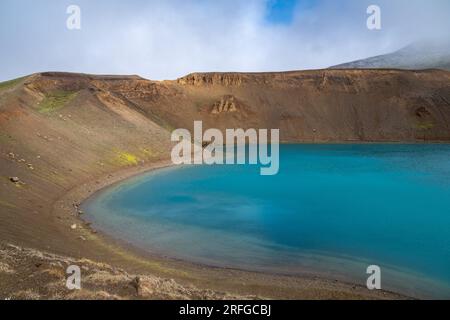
pixel 331 211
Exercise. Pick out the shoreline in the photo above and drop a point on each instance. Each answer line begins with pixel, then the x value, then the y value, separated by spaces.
pixel 131 254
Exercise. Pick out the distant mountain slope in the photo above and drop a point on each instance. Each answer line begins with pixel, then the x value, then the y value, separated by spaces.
pixel 417 56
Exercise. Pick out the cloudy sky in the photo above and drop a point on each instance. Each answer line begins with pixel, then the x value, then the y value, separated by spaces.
pixel 166 39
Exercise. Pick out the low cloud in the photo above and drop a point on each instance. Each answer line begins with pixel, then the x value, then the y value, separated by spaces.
pixel 168 39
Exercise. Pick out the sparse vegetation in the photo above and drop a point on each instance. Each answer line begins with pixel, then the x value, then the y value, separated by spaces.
pixel 426 126
pixel 6 204
pixel 9 84
pixel 5 138
pixel 56 100
pixel 126 158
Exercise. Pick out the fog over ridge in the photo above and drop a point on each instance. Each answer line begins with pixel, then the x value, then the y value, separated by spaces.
pixel 168 39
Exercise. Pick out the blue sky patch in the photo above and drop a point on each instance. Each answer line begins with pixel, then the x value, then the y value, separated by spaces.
pixel 282 11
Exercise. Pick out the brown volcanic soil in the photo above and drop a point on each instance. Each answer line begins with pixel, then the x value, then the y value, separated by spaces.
pixel 65 135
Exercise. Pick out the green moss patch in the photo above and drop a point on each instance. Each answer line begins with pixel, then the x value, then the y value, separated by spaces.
pixel 56 100
pixel 10 84
pixel 5 138
pixel 425 126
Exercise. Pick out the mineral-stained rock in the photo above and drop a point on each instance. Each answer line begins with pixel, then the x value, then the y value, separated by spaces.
pixel 226 104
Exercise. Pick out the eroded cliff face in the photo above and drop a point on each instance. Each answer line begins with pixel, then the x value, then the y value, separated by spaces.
pixel 206 79
pixel 325 105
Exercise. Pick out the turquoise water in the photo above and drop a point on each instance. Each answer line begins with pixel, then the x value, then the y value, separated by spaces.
pixel 332 210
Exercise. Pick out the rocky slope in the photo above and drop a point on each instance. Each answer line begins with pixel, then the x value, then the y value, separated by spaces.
pixel 321 106
pixel 32 275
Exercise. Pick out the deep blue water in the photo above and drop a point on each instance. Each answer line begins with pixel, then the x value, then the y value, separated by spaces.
pixel 332 210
